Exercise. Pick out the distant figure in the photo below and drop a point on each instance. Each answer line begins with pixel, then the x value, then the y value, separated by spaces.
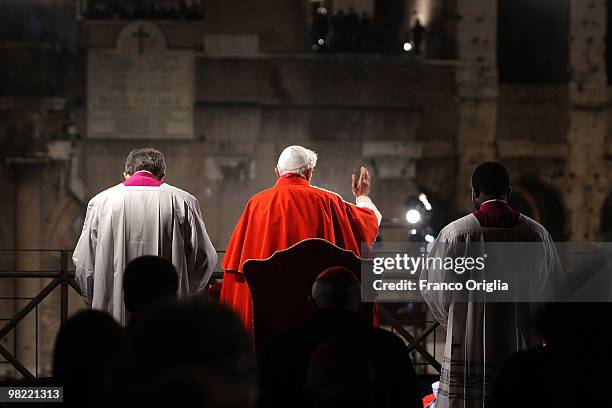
pixel 339 33
pixel 192 354
pixel 336 299
pixel 366 33
pixel 340 375
pixel 90 360
pixel 141 216
pixel 481 335
pixel 289 212
pixel 352 30
pixel 148 280
pixel 418 33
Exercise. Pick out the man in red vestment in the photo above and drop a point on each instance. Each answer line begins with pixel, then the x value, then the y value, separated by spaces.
pixel 289 212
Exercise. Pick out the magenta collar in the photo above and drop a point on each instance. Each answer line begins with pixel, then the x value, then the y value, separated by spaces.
pixel 142 178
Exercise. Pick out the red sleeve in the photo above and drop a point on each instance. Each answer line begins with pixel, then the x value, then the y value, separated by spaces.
pixel 364 224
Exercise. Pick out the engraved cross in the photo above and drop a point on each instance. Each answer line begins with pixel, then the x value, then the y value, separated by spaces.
pixel 141 35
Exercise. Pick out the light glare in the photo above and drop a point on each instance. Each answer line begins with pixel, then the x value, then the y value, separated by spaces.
pixel 413 216
pixel 425 201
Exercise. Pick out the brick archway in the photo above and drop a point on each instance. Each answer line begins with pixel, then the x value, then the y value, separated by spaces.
pixel 542 203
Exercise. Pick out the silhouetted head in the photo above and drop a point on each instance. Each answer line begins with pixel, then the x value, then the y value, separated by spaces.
pixel 91 358
pixel 340 375
pixel 200 337
pixel 146 159
pixel 553 319
pixel 336 288
pixel 149 280
pixel 490 181
pixel 187 386
pixel 567 375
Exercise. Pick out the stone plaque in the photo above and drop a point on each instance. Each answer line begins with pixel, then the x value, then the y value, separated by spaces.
pixel 140 89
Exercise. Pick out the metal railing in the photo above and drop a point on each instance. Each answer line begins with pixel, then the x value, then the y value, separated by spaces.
pixel 416 343
pixel 62 277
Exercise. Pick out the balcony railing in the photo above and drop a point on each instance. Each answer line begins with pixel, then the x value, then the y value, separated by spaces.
pixel 142 9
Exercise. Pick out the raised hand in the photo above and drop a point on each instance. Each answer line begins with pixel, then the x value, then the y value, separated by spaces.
pixel 361 186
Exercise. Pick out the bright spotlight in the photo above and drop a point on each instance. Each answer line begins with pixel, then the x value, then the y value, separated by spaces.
pixel 407 46
pixel 413 231
pixel 429 238
pixel 425 201
pixel 320 41
pixel 413 216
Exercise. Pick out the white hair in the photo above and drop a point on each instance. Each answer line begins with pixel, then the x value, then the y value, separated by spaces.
pixel 297 160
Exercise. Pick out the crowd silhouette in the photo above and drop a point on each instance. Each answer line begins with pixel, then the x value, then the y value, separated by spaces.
pixel 196 353
pixel 144 9
pixel 336 359
pixel 346 32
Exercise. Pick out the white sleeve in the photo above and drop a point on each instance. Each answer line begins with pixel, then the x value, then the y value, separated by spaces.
pixel 202 257
pixel 85 254
pixel 366 202
pixel 437 302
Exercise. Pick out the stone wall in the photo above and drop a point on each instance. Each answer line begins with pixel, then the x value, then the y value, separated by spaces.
pixel 248 110
pixel 587 181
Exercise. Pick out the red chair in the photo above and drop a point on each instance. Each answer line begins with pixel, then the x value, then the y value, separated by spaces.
pixel 280 285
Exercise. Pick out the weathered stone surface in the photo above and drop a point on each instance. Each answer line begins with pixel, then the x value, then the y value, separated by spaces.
pixel 140 89
pixel 587 183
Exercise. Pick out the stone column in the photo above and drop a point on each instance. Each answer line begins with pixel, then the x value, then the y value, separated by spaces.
pixel 586 180
pixel 28 235
pixel 477 91
pixel 30 155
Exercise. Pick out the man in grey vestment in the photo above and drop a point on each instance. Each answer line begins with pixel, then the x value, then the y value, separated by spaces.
pixel 141 216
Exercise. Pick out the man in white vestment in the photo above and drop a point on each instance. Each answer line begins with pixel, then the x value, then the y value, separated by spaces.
pixel 141 216
pixel 481 334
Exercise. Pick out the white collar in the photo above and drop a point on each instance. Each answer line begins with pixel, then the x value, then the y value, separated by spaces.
pixel 495 199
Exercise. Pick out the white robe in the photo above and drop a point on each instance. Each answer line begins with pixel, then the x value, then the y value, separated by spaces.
pixel 480 336
pixel 123 223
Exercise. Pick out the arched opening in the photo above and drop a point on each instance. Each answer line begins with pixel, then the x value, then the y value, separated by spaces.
pixel 541 203
pixel 532 45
